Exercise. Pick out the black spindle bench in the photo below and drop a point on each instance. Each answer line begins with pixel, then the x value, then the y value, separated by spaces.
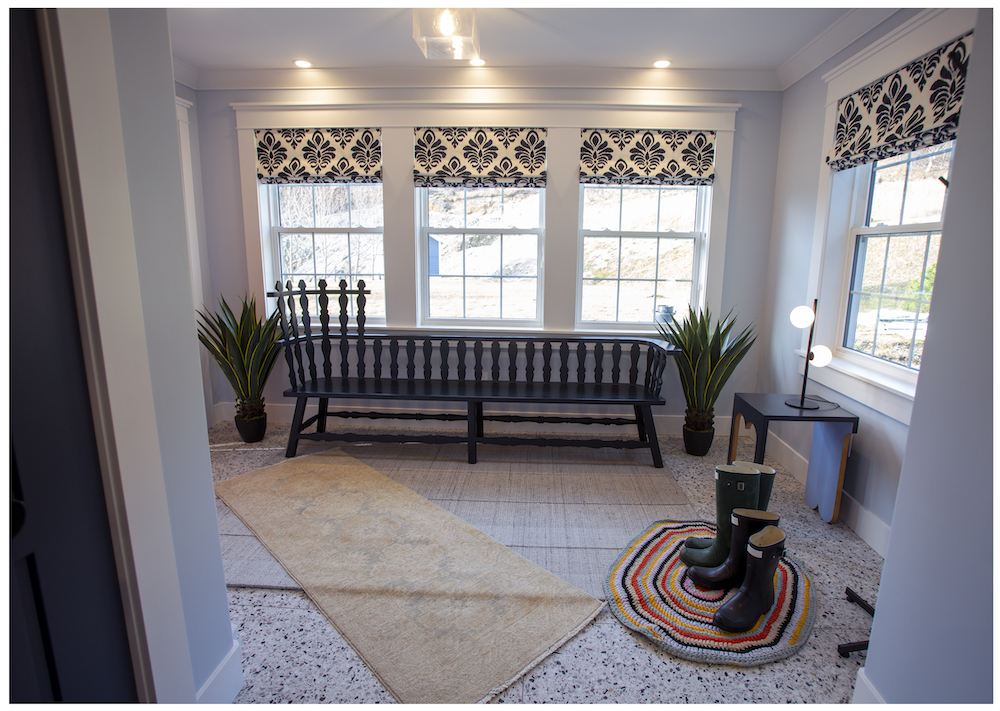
pixel 325 363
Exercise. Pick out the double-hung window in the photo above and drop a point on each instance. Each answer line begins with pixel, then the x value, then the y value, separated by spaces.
pixel 324 201
pixel 895 255
pixel 897 136
pixel 481 201
pixel 645 197
pixel 642 248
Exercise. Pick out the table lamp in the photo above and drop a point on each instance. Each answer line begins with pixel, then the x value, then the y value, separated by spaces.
pixel 820 356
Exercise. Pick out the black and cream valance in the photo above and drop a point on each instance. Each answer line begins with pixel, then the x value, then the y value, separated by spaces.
pixel 914 107
pixel 319 155
pixel 647 157
pixel 479 157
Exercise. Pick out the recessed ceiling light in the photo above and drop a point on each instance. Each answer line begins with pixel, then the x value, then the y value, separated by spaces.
pixel 661 64
pixel 303 63
pixel 477 62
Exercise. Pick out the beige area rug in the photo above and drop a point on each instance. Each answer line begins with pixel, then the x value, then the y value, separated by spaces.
pixel 439 611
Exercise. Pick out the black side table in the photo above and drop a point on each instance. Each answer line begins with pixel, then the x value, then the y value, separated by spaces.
pixel 831 442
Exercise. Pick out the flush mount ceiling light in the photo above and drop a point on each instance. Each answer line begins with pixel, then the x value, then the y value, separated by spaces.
pixel 661 64
pixel 302 63
pixel 446 33
pixel 477 62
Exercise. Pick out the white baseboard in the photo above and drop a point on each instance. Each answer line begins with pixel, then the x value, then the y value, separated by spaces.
pixel 863 522
pixel 869 527
pixel 227 679
pixel 864 692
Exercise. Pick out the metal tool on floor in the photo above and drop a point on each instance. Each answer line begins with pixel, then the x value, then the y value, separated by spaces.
pixel 845 649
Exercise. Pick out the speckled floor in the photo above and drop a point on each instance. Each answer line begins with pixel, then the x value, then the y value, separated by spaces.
pixel 291 654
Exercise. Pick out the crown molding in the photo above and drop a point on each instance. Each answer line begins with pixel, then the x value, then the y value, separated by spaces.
pixel 409 78
pixel 851 26
pixel 185 74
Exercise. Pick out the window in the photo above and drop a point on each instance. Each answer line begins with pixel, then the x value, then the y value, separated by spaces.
pixel 332 232
pixel 895 255
pixel 641 249
pixel 481 250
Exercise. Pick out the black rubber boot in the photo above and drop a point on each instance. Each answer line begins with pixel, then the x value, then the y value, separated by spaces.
pixel 763 498
pixel 756 595
pixel 730 574
pixel 735 488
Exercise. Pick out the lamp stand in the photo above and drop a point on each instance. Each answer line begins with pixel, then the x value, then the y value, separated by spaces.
pixel 802 402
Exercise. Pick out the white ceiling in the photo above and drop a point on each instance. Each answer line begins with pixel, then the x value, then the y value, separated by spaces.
pixel 712 38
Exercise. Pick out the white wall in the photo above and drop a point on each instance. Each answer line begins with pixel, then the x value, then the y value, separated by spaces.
pixel 932 637
pixel 123 196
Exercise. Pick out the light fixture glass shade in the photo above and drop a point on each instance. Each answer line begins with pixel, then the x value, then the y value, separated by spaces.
pixel 446 33
pixel 821 356
pixel 802 317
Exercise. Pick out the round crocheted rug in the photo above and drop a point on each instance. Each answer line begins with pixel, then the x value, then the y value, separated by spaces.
pixel 648 590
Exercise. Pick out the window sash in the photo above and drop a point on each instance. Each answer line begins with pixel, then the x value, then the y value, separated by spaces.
pixel 425 231
pixel 856 292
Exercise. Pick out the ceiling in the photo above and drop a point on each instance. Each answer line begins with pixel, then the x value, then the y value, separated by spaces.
pixel 712 38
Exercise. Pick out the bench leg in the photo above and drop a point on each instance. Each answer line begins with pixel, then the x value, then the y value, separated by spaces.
pixel 479 419
pixel 296 428
pixel 321 421
pixel 654 444
pixel 475 423
pixel 640 424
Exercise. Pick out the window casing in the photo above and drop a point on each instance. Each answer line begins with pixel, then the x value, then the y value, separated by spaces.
pixel 641 247
pixel 329 231
pixel 885 387
pixel 480 254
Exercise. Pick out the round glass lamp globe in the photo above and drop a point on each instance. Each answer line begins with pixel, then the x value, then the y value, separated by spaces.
pixel 821 356
pixel 802 317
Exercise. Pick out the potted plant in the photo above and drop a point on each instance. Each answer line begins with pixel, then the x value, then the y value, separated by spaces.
pixel 708 357
pixel 246 350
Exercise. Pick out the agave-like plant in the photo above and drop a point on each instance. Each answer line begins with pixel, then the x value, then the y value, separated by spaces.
pixel 707 358
pixel 246 349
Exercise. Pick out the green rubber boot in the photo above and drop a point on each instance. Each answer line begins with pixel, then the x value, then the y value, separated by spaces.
pixel 736 487
pixel 763 498
pixel 766 483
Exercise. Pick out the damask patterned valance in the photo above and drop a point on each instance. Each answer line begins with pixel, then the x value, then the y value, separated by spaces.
pixel 647 157
pixel 914 107
pixel 319 155
pixel 479 157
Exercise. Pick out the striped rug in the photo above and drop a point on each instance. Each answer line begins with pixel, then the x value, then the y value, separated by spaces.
pixel 648 590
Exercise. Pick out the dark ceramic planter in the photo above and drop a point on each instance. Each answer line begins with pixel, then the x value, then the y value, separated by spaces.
pixel 252 430
pixel 698 442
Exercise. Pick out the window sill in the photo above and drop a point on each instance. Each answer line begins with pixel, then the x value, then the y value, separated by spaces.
pixel 873 385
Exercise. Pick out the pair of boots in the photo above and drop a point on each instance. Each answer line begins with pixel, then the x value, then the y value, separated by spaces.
pixel 756 547
pixel 738 485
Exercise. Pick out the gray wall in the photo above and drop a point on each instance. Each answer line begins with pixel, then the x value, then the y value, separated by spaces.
pixel 877 450
pixel 932 638
pixel 146 90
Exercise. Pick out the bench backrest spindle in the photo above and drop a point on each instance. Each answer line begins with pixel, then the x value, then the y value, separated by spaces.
pixel 462 352
pixel 307 330
pixel 324 322
pixel 444 348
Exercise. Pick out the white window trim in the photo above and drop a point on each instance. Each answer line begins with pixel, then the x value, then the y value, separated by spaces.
pixel 513 106
pixel 882 386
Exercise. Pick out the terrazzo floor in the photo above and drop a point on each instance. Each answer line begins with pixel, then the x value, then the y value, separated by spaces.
pixel 291 653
